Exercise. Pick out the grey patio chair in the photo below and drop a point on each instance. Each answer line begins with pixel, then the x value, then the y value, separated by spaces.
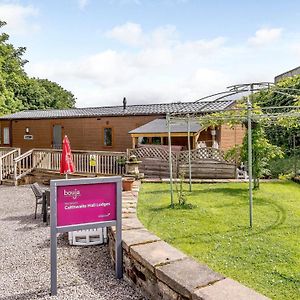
pixel 38 193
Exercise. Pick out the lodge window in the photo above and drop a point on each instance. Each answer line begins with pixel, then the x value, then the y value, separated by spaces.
pixel 108 137
pixel 6 140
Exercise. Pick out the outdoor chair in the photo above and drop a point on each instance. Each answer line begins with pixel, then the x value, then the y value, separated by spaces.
pixel 38 193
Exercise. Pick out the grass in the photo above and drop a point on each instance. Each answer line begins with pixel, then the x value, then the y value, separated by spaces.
pixel 215 231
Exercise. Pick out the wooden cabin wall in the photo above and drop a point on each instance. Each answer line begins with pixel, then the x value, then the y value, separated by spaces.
pixel 83 133
pixel 230 137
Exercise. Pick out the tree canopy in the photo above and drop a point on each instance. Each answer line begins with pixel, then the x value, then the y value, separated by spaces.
pixel 285 93
pixel 18 91
pixel 271 138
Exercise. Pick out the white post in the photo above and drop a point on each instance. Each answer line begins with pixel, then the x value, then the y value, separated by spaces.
pixel 249 113
pixel 189 149
pixel 170 158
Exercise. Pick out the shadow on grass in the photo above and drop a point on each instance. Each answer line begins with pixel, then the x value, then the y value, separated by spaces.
pixel 156 192
pixel 186 206
pixel 232 192
pixel 287 278
pixel 241 231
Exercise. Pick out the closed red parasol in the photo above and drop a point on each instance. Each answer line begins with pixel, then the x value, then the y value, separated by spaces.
pixel 66 163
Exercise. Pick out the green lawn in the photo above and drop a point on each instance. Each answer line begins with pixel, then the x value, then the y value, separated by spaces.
pixel 215 231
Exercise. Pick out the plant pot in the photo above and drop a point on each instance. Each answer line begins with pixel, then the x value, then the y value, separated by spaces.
pixel 127 184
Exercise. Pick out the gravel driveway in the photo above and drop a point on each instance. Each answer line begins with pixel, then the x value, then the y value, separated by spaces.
pixel 83 272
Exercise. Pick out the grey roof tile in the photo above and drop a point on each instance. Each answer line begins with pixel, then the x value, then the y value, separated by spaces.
pixel 160 126
pixel 131 110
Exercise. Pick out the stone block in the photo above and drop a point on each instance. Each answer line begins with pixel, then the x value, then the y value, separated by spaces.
pixel 126 215
pixel 129 210
pixel 166 293
pixel 137 237
pixel 227 289
pixel 186 275
pixel 131 223
pixel 155 254
pixel 145 280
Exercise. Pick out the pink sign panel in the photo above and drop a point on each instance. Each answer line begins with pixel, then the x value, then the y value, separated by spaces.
pixel 86 203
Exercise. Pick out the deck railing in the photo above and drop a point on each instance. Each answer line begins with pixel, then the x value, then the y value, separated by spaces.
pixel 86 162
pixel 5 150
pixel 23 165
pixel 100 162
pixel 7 162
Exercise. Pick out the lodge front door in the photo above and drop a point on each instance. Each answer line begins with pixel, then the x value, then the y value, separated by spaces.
pixel 57 137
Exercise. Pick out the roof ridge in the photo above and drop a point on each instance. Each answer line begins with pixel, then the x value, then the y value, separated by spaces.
pixel 111 106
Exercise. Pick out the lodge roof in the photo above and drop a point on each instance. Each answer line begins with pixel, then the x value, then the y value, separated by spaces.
pixel 131 110
pixel 161 126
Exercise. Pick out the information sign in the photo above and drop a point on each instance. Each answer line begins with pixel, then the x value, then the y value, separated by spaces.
pixel 80 204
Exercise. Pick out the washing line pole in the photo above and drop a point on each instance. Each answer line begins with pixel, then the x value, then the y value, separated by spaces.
pixel 249 119
pixel 189 149
pixel 295 156
pixel 170 159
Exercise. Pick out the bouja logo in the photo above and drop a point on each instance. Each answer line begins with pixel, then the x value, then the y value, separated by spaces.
pixel 74 194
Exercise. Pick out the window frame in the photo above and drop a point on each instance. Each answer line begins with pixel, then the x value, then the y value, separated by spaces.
pixel 4 137
pixel 112 136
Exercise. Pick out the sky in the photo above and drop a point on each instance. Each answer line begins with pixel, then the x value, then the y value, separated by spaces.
pixel 153 51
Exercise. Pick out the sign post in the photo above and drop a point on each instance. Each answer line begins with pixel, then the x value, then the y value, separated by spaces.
pixel 81 204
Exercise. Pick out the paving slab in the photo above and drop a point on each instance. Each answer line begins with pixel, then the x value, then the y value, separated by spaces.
pixel 137 237
pixel 129 210
pixel 184 276
pixel 132 223
pixel 126 215
pixel 227 289
pixel 154 254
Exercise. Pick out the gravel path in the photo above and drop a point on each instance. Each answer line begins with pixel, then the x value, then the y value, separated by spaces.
pixel 83 272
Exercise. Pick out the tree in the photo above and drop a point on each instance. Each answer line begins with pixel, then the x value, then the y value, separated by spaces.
pixel 58 96
pixel 281 134
pixel 18 91
pixel 263 151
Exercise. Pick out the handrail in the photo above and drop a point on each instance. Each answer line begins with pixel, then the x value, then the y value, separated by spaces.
pixel 7 163
pixel 99 162
pixel 23 165
pixel 81 151
pixel 20 157
pixel 9 153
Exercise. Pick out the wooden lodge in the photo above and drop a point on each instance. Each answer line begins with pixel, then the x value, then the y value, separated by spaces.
pixel 115 128
pixel 31 141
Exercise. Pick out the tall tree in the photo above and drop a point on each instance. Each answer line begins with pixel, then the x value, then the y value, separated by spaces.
pixel 285 93
pixel 18 91
pixel 58 97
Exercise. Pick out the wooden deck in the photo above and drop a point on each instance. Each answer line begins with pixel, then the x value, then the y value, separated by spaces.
pixel 206 163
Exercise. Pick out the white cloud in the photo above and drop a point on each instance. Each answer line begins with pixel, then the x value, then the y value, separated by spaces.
pixel 128 33
pixel 19 18
pixel 265 36
pixel 162 67
pixel 82 3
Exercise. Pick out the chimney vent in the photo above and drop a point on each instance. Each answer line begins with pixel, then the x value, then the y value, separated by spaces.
pixel 124 103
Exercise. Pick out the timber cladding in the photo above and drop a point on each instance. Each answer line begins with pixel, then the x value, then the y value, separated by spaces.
pixel 83 133
pixel 230 137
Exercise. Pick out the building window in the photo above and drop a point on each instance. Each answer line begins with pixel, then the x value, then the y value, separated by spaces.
pixel 6 136
pixel 108 137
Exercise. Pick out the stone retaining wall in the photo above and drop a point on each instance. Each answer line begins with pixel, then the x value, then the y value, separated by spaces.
pixel 162 272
